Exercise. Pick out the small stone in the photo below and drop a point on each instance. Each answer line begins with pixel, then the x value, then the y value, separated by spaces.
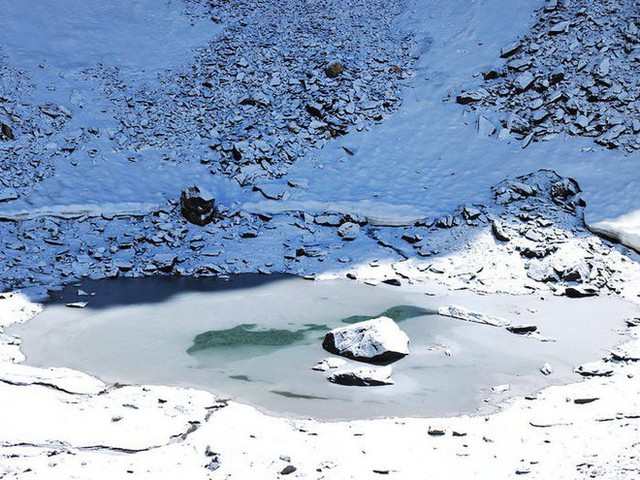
pixel 485 128
pixel 334 70
pixel 288 470
pixel 524 81
pixel 7 131
pixel 349 231
pixel 330 363
pixel 500 389
pixel 436 431
pixel 522 329
pixel 499 233
pixel 8 194
pixel 511 49
pixel 546 369
pixel 559 27
pixel 77 304
pixel 468 97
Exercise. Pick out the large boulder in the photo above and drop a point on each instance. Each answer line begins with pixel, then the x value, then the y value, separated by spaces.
pixel 374 341
pixel 363 376
pixel 197 205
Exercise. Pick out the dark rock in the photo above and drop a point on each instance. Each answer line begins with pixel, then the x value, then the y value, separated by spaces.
pixel 411 236
pixel 197 205
pixel 522 329
pixel 7 131
pixel 363 377
pixel 288 470
pixel 581 291
pixel 594 369
pixel 466 98
pixel 334 70
pixel 499 232
pixel 315 110
pixel 564 189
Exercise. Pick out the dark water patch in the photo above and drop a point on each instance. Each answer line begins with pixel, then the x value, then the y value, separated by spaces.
pixel 250 334
pixel 113 292
pixel 398 313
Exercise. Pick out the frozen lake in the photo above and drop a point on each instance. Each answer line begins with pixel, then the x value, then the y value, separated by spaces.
pixel 143 331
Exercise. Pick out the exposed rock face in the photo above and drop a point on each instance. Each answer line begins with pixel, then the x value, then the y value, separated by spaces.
pixel 197 205
pixel 363 377
pixel 377 340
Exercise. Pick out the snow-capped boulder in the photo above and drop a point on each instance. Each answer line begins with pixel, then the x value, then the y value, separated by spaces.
pixel 595 369
pixel 377 340
pixel 363 376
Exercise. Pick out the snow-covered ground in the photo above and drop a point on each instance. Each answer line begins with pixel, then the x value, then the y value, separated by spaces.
pixel 108 111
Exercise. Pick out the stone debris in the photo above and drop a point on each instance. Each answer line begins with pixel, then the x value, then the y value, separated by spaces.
pixel 540 214
pixel 627 352
pixel 575 73
pixel 271 87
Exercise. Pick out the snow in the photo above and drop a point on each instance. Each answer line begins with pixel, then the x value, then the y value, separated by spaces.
pixel 72 68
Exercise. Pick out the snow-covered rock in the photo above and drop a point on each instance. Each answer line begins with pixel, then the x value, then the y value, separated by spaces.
pixel 461 313
pixel 377 340
pixel 363 376
pixel 330 363
pixel 595 369
pixel 629 351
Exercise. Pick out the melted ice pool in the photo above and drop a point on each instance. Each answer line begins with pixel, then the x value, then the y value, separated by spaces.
pixel 254 339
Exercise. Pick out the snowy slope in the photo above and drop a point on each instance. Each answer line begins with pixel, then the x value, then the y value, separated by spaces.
pixel 423 161
pixel 428 158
